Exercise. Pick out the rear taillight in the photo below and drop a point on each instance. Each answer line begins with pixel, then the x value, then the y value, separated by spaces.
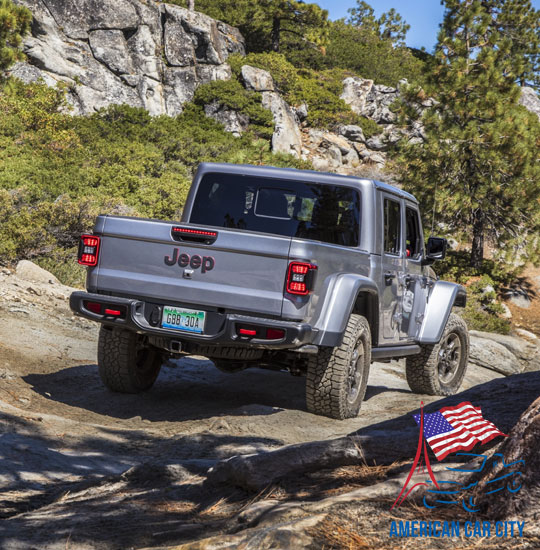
pixel 300 278
pixel 88 250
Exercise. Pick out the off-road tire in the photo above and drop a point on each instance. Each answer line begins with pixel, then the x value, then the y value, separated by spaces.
pixel 336 377
pixel 126 364
pixel 431 371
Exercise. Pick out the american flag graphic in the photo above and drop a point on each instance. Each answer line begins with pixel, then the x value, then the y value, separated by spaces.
pixel 457 428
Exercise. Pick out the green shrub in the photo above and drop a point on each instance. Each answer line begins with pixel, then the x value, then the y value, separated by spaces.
pixel 477 318
pixel 456 267
pixel 483 310
pixel 307 58
pixel 369 127
pixel 231 94
pixel 284 73
pixel 14 24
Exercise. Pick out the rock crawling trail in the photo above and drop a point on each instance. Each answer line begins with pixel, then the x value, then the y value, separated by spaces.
pixel 81 467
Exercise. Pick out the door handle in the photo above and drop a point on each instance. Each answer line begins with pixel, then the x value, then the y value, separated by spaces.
pixel 388 277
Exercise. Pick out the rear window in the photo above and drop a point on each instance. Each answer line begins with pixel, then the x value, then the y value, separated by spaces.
pixel 327 213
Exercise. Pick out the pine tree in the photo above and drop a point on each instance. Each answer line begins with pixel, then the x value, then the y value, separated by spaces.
pixel 363 15
pixel 479 163
pixel 393 27
pixel 390 26
pixel 359 49
pixel 520 22
pixel 272 24
pixel 304 22
pixel 14 24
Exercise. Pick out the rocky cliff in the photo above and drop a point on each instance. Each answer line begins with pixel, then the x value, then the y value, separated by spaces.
pixel 136 52
pixel 154 55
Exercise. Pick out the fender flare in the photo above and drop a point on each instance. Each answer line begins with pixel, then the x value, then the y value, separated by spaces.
pixel 441 300
pixel 339 303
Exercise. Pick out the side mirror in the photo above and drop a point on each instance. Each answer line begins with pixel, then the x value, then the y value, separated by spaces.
pixel 435 250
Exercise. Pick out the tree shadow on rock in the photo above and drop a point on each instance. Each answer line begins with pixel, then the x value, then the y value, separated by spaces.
pixel 97 497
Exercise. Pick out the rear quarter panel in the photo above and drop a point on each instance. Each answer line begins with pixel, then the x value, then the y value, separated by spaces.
pixel 332 262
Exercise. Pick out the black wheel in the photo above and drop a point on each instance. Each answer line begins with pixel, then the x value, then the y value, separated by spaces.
pixel 337 377
pixel 126 363
pixel 439 369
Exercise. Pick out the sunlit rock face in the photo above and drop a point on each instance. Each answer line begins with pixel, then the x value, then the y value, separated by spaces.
pixel 133 52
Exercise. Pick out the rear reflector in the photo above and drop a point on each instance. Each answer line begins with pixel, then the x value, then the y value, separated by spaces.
pixel 274 334
pixel 88 250
pixel 300 277
pixel 94 307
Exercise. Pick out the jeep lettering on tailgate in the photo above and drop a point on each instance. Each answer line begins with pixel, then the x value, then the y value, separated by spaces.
pixel 206 263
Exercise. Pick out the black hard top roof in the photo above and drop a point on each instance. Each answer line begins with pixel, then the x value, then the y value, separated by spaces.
pixel 301 175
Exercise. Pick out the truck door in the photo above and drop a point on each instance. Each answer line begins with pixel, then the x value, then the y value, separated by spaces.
pixel 392 269
pixel 415 289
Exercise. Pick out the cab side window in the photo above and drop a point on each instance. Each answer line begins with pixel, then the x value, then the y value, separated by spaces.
pixel 413 239
pixel 392 226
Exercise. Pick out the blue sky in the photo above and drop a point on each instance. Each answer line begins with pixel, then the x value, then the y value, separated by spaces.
pixel 423 16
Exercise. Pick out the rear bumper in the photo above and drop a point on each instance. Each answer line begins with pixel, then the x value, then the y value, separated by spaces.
pixel 145 317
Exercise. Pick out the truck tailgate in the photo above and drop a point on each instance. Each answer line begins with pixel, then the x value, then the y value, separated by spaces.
pixel 239 271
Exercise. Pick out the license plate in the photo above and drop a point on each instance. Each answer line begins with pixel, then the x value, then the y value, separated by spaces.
pixel 187 320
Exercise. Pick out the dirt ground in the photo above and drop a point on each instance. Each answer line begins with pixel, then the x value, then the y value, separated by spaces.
pixel 528 318
pixel 81 467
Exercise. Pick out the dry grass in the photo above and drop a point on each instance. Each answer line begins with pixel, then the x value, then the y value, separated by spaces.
pixel 216 509
pixel 528 319
pixel 270 491
pixel 175 507
pixel 367 475
pixel 335 534
pixel 326 483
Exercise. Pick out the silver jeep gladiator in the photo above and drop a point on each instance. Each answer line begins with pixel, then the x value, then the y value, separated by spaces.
pixel 318 274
